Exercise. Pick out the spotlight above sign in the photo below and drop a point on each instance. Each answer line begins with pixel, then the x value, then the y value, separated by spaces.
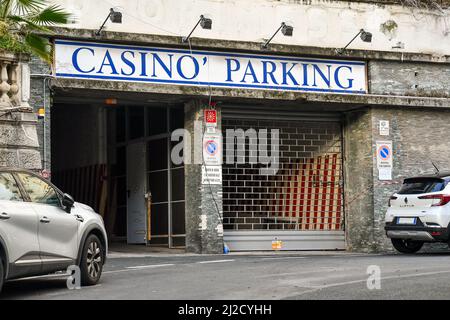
pixel 286 30
pixel 205 23
pixel 114 16
pixel 365 36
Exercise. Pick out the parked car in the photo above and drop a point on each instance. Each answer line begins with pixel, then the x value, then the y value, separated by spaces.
pixel 419 212
pixel 43 230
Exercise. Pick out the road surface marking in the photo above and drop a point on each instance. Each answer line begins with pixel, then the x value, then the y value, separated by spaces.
pixel 151 266
pixel 338 284
pixel 215 261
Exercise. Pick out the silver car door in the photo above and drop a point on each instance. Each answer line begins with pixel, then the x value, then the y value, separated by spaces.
pixel 18 229
pixel 58 230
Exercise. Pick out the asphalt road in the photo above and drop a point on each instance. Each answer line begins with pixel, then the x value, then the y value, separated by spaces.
pixel 254 276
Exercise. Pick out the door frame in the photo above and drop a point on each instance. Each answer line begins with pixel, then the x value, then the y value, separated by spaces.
pixel 146 139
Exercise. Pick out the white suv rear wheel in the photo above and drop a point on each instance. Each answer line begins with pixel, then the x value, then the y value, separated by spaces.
pixel 407 246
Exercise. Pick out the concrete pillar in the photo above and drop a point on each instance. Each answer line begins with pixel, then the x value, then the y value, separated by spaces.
pixel 358 179
pixel 19 145
pixel 204 229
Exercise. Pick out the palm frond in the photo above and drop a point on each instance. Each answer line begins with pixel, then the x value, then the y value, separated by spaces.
pixel 39 46
pixel 50 16
pixel 24 7
pixel 21 22
pixel 27 25
pixel 5 8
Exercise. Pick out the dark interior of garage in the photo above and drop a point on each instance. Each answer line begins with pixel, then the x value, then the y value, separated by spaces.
pixel 91 143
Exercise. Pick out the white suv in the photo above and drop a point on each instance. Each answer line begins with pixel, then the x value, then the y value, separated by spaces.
pixel 43 230
pixel 419 212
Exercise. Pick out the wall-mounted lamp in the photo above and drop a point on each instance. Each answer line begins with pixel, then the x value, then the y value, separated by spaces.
pixel 286 30
pixel 205 23
pixel 114 16
pixel 365 36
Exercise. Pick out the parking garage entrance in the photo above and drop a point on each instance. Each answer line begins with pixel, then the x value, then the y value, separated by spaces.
pixel 300 207
pixel 114 155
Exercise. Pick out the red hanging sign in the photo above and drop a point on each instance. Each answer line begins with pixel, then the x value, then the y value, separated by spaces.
pixel 210 117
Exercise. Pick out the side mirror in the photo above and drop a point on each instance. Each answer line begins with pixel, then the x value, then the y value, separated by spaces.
pixel 67 202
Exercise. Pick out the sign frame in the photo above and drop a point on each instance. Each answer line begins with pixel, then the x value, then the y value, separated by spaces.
pixel 117 62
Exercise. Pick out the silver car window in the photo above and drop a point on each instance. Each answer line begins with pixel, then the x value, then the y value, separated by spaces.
pixel 9 190
pixel 39 190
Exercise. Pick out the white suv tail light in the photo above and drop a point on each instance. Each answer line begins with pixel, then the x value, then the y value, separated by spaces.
pixel 391 198
pixel 443 199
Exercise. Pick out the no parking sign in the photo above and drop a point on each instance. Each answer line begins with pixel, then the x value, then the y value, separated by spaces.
pixel 212 159
pixel 212 151
pixel 384 160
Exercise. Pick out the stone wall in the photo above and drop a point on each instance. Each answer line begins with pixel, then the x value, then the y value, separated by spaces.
pixel 358 181
pixel 409 78
pixel 418 137
pixel 18 140
pixel 316 22
pixel 40 98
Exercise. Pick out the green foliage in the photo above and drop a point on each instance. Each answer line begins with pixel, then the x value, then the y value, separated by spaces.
pixel 22 20
pixel 10 43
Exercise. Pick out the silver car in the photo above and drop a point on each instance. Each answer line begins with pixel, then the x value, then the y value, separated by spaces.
pixel 43 230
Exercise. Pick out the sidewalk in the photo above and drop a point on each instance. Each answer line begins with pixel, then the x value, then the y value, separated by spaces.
pixel 124 250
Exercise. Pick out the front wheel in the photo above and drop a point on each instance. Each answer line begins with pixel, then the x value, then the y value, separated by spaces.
pixel 91 264
pixel 407 246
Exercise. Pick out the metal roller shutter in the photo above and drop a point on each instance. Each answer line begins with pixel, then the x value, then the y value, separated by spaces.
pixel 301 204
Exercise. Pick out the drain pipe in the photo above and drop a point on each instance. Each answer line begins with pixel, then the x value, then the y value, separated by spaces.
pixel 44 130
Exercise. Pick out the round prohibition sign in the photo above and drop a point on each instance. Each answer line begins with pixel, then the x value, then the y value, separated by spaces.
pixel 384 151
pixel 211 147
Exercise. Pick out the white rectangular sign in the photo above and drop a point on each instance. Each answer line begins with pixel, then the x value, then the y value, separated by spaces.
pixel 211 174
pixel 114 62
pixel 384 127
pixel 384 159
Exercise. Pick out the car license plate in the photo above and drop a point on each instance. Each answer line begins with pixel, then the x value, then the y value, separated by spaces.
pixel 406 220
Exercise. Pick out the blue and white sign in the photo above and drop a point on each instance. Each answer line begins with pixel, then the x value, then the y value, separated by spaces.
pixel 385 152
pixel 113 62
pixel 212 149
pixel 384 160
